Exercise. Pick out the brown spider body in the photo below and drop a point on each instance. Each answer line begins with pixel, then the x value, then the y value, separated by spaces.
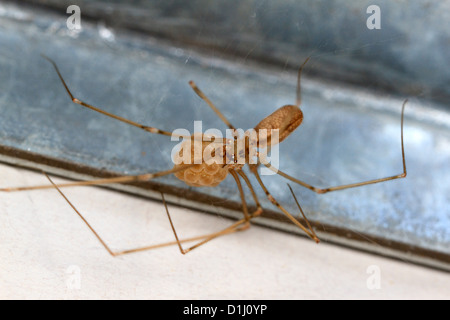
pixel 204 162
pixel 211 173
pixel 206 173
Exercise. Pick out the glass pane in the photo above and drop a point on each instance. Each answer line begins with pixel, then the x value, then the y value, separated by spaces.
pixel 350 133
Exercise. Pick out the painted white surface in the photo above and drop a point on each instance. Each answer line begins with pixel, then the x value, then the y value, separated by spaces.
pixel 46 252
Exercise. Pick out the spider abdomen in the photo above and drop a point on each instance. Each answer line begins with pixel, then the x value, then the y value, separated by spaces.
pixel 203 175
pixel 206 173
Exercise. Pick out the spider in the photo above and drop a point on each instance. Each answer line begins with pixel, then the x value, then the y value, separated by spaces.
pixel 203 173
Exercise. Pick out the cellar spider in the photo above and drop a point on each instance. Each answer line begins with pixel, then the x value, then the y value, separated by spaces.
pixel 284 120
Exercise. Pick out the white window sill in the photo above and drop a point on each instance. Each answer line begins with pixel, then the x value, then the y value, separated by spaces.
pixel 44 246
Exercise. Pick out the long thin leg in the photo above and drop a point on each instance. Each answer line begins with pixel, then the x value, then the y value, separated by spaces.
pixel 221 116
pixel 252 190
pixel 121 179
pixel 81 216
pixel 241 192
pixel 259 208
pixel 115 254
pixel 279 206
pixel 228 230
pixel 79 102
pixel 234 227
pixel 301 211
pixel 299 92
pixel 352 185
pixel 215 109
